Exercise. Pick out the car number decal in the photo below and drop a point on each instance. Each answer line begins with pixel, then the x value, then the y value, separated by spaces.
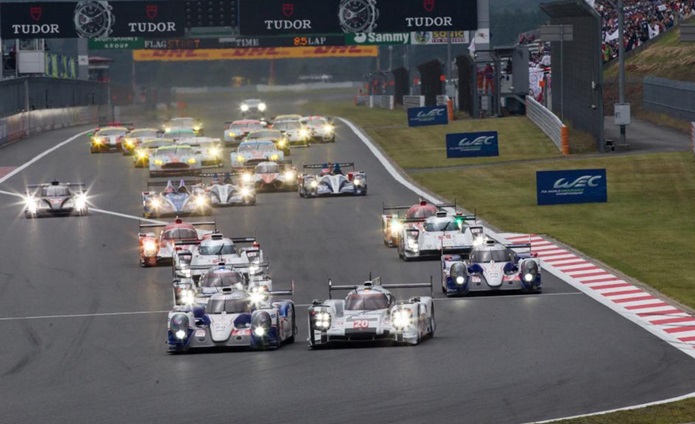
pixel 200 333
pixel 360 324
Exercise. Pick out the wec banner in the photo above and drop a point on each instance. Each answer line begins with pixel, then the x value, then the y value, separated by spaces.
pixel 432 115
pixel 467 145
pixel 571 186
pixel 92 19
pixel 255 53
pixel 273 17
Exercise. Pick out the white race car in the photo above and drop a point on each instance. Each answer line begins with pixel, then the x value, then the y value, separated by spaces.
pixel 253 108
pixel 322 129
pixel 230 191
pixel 215 248
pixel 332 181
pixel 492 267
pixel 441 234
pixel 237 130
pixel 209 149
pixel 178 159
pixel 370 312
pixel 270 176
pixel 296 132
pixel 251 153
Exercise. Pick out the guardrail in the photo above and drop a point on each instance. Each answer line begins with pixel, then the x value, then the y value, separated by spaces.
pixel 673 98
pixel 413 101
pixel 550 124
pixel 383 102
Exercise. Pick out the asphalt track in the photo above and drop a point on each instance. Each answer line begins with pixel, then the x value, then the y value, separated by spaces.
pixel 84 326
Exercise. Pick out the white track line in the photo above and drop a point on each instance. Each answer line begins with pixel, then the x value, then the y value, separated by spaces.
pixel 103 314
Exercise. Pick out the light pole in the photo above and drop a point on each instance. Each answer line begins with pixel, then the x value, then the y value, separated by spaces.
pixel 621 109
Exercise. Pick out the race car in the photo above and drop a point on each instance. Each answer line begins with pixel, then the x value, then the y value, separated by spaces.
pixel 297 133
pixel 135 138
pixel 178 133
pixel 217 279
pixel 237 130
pixel 177 159
pixel 189 198
pixel 142 153
pixel 320 128
pixel 253 108
pixel 251 153
pixel 286 117
pixel 370 312
pixel 159 249
pixel 184 122
pixel 215 248
pixel 55 198
pixel 107 138
pixel 441 234
pixel 331 180
pixel 392 222
pixel 233 318
pixel 276 136
pixel 210 150
pixel 228 191
pixel 492 267
pixel 270 176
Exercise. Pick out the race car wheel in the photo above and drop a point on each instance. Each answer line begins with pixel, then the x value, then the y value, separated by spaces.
pixel 295 330
pixel 433 322
pixel 28 215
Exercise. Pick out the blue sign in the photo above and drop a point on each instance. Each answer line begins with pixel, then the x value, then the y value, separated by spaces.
pixel 571 186
pixel 469 145
pixel 432 115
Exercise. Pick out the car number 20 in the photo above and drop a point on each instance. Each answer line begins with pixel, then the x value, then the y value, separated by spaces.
pixel 360 324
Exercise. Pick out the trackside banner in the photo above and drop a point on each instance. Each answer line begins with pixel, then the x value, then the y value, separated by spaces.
pixel 468 145
pixel 571 186
pixel 255 53
pixel 432 115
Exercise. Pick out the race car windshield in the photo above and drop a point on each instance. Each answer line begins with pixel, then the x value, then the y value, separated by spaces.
pixel 182 122
pixel 289 125
pixel 366 301
pixel 260 135
pixel 217 249
pixel 421 212
pixel 248 147
pixel 451 225
pixel 54 191
pixel 180 234
pixel 183 133
pixel 110 132
pixel 143 133
pixel 230 306
pixel 482 256
pixel 268 168
pixel 316 121
pixel 220 279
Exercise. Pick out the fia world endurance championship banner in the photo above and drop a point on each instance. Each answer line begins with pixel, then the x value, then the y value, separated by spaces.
pixel 571 186
pixel 469 145
pixel 432 115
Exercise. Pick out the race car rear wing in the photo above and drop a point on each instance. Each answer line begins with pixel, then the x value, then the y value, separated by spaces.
pixel 289 292
pixel 221 173
pixel 323 165
pixel 177 221
pixel 377 282
pixel 55 183
pixel 175 183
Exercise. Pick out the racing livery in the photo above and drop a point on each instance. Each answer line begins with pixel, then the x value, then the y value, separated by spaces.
pixel 142 153
pixel 270 176
pixel 159 249
pixel 370 312
pixel 440 234
pixel 184 123
pixel 55 198
pixel 392 223
pixel 135 138
pixel 276 136
pixel 189 198
pixel 492 267
pixel 107 138
pixel 233 318
pixel 296 132
pixel 331 181
pixel 321 128
pixel 251 153
pixel 237 130
pixel 229 192
pixel 209 150
pixel 178 159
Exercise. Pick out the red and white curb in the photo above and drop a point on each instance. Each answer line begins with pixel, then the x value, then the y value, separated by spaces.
pixel 654 314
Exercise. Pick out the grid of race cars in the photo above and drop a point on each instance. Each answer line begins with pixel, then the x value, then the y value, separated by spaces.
pixel 222 290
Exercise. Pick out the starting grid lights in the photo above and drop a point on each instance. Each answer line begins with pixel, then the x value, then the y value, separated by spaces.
pixel 211 13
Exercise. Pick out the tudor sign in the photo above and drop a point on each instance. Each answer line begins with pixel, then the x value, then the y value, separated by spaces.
pixel 273 17
pixel 92 19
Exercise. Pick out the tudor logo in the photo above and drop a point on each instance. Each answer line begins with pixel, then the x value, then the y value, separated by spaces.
pixel 151 11
pixel 35 12
pixel 287 9
pixel 428 5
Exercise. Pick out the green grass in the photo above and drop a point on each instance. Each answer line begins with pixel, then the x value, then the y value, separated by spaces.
pixel 670 413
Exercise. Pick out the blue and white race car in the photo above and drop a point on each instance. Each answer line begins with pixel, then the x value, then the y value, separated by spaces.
pixel 492 267
pixel 189 198
pixel 233 318
pixel 332 180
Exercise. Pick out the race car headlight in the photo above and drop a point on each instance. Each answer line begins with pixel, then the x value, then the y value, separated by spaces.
pixel 459 280
pixel 98 140
pixel 215 151
pixel 187 297
pixel 30 202
pixel 149 247
pixel 155 203
pixel 240 158
pixel 303 133
pixel 81 201
pixel 245 192
pixel 396 227
pixel 258 295
pixel 197 128
pixel 167 129
pixel 412 244
pixel 401 319
pixel 244 108
pixel 201 201
pixel 282 142
pixel 141 154
pixel 274 157
pixel 158 162
pixel 259 331
pixel 179 326
pixel 328 128
pixel 290 175
pixel 479 241
pixel 314 184
pixel 231 133
pixel 246 178
pixel 528 277
pixel 358 182
pixel 322 320
pixel 191 160
pixel 129 142
pixel 261 107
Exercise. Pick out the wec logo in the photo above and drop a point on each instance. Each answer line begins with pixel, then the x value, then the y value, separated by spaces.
pixel 581 182
pixel 434 113
pixel 480 141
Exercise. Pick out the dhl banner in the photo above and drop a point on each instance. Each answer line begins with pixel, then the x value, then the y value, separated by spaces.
pixel 256 53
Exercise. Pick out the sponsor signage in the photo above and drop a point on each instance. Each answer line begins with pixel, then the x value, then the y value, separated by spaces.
pixel 256 53
pixel 468 145
pixel 92 19
pixel 421 116
pixel 374 38
pixel 137 43
pixel 273 17
pixel 439 37
pixel 571 186
pixel 116 43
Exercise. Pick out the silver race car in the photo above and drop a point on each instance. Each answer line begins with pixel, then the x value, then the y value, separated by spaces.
pixel 230 190
pixel 436 235
pixel 233 318
pixel 159 249
pixel 370 312
pixel 55 198
pixel 492 267
pixel 189 198
pixel 332 180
